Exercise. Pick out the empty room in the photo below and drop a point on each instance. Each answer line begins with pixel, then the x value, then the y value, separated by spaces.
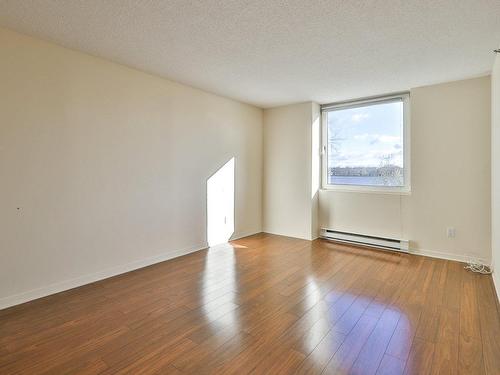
pixel 249 187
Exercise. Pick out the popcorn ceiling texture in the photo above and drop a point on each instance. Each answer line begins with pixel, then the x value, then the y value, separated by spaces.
pixel 270 52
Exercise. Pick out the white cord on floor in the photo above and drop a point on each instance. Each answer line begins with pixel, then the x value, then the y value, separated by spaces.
pixel 478 268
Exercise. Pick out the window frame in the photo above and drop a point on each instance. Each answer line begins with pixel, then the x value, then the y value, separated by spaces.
pixel 402 190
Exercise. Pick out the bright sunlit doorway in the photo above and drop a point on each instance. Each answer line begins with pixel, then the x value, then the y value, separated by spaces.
pixel 220 204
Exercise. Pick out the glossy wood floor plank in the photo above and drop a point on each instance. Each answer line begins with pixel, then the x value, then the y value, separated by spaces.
pixel 264 304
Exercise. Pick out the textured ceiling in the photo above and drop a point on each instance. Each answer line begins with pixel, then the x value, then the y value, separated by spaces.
pixel 270 52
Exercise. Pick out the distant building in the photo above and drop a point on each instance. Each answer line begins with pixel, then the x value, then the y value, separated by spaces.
pixel 385 171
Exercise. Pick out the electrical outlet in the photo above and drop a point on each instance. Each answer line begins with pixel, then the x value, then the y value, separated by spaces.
pixel 451 232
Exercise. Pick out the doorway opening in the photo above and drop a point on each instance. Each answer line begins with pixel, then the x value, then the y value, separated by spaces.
pixel 220 204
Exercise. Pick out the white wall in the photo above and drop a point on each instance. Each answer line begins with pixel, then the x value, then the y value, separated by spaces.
pixel 315 168
pixel 450 166
pixel 104 168
pixel 495 173
pixel 289 195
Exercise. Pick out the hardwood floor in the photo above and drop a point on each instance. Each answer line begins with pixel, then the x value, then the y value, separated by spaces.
pixel 264 305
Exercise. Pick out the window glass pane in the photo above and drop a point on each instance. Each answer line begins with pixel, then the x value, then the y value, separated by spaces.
pixel 365 145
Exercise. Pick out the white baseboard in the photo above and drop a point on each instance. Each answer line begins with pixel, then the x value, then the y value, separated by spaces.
pixel 87 279
pixel 239 235
pixel 299 237
pixel 448 256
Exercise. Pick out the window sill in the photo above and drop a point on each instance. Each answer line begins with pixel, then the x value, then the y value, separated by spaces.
pixel 367 190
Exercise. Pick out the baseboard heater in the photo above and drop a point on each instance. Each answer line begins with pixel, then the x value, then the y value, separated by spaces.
pixel 365 240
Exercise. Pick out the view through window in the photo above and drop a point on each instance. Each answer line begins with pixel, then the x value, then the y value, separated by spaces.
pixel 365 144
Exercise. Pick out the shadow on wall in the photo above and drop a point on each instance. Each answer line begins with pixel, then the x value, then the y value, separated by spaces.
pixel 220 204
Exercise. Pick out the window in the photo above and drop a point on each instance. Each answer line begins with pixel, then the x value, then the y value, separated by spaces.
pixel 365 145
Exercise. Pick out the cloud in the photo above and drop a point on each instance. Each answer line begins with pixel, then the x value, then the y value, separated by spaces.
pixel 362 137
pixel 388 138
pixel 358 117
pixel 375 138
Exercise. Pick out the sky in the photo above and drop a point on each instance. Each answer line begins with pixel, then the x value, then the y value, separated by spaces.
pixel 365 135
